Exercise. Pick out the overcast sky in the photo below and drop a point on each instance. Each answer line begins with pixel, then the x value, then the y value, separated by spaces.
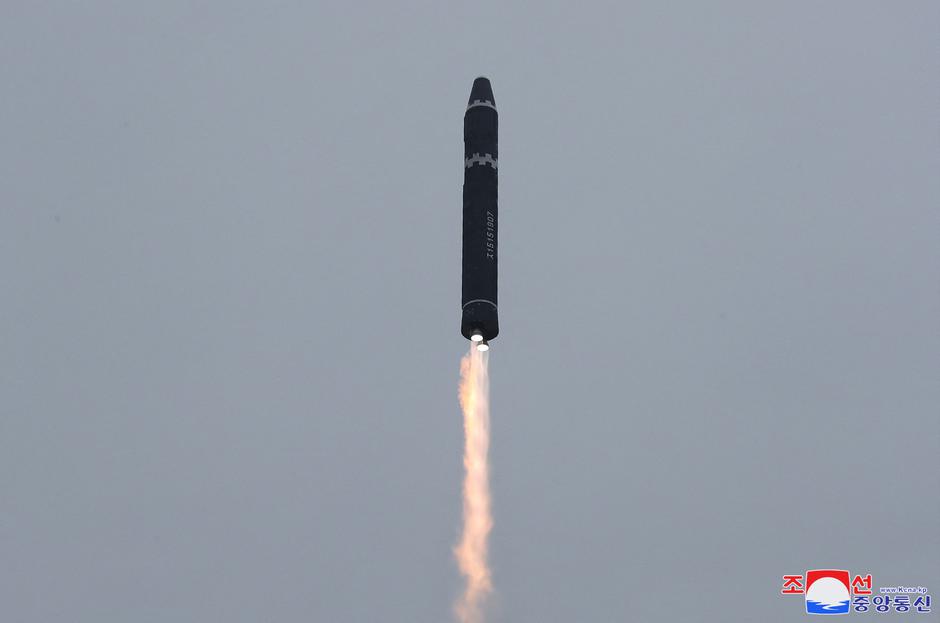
pixel 229 348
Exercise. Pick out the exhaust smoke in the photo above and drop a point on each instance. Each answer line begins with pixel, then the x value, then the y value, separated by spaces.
pixel 471 550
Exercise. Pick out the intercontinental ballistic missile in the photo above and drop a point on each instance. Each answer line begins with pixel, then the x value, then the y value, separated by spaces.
pixel 479 322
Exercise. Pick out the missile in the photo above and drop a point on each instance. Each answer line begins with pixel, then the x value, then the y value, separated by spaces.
pixel 479 322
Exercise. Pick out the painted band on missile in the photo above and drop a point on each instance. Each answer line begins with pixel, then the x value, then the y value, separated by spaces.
pixel 479 321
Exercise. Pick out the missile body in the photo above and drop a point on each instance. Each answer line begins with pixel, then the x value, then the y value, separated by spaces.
pixel 479 321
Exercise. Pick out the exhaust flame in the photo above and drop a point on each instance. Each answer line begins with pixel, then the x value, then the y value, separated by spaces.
pixel 477 520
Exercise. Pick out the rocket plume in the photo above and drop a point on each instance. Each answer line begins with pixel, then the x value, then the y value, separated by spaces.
pixel 470 551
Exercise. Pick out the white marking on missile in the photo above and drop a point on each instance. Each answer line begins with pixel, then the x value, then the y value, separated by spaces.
pixel 479 301
pixel 480 159
pixel 476 103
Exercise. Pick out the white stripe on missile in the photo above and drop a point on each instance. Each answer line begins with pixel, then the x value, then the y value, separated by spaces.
pixel 476 103
pixel 480 159
pixel 479 301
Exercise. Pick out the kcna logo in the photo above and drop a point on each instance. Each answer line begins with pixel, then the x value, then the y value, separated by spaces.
pixel 827 591
pixel 836 591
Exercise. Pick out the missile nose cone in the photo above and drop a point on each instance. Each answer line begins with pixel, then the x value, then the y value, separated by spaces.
pixel 482 91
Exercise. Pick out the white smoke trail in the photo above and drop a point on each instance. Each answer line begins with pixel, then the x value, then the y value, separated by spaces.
pixel 471 550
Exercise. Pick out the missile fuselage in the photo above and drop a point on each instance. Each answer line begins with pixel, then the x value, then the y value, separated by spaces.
pixel 480 214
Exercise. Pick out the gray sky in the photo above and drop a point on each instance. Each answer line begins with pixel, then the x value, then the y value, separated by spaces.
pixel 229 259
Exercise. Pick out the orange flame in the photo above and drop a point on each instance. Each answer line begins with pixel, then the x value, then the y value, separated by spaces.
pixel 477 519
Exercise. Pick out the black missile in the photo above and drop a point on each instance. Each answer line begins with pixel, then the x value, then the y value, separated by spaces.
pixel 479 322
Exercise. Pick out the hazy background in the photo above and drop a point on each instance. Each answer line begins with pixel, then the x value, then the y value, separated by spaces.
pixel 229 259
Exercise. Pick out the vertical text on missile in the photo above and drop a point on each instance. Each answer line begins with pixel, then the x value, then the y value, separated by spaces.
pixel 490 235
